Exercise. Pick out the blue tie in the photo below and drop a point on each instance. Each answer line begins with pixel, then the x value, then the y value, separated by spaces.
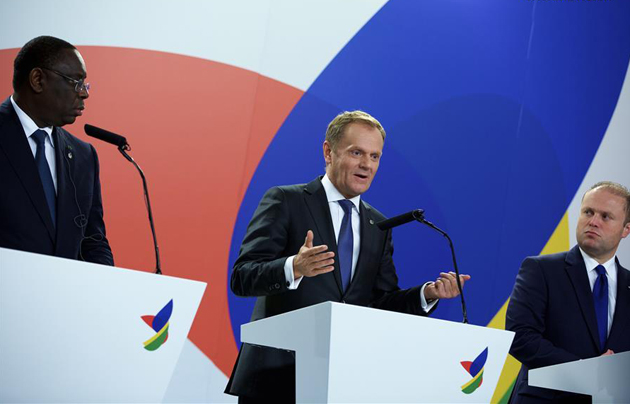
pixel 44 172
pixel 600 296
pixel 345 243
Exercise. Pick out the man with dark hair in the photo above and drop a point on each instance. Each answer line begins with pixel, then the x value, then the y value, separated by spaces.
pixel 317 242
pixel 576 304
pixel 51 193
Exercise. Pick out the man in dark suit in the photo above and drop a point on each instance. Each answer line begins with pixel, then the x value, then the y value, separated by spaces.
pixel 574 305
pixel 318 242
pixel 51 194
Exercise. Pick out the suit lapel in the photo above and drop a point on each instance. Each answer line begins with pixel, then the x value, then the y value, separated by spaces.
pixel 577 274
pixel 65 193
pixel 317 204
pixel 622 307
pixel 367 238
pixel 15 145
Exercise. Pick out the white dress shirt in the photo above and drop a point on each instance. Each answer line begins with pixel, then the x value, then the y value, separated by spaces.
pixel 30 127
pixel 611 274
pixel 336 213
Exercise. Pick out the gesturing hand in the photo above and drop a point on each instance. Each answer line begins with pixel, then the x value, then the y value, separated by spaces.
pixel 312 261
pixel 445 287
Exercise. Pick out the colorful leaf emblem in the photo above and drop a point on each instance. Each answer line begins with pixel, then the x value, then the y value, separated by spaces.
pixel 159 323
pixel 475 368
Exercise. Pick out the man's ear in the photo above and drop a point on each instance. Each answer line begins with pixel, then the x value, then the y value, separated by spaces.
pixel 36 80
pixel 626 230
pixel 327 152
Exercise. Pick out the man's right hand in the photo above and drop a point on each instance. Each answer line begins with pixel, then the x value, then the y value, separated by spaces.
pixel 312 261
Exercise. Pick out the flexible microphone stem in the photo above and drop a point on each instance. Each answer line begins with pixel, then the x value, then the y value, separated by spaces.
pixel 147 202
pixel 459 283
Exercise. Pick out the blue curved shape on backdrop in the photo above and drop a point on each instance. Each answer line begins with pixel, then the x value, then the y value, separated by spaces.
pixel 494 111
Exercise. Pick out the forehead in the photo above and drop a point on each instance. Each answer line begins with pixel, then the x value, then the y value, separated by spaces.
pixel 363 136
pixel 604 200
pixel 71 62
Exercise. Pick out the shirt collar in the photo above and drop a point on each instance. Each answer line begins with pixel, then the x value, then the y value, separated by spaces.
pixel 591 263
pixel 28 124
pixel 333 194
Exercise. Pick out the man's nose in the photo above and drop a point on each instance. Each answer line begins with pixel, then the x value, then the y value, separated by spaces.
pixel 366 162
pixel 595 221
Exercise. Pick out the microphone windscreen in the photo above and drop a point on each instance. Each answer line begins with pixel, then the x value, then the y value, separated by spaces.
pixel 105 135
pixel 400 219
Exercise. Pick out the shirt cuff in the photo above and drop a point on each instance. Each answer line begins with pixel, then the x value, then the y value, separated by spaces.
pixel 292 283
pixel 423 301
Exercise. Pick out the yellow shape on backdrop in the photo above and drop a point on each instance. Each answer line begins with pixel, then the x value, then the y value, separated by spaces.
pixel 558 242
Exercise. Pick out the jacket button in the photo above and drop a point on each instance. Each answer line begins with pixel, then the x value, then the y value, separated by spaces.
pixel 277 286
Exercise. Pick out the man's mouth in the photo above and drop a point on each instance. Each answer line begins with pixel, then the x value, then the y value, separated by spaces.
pixel 361 176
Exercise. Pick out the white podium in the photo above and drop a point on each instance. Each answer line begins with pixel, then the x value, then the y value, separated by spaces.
pixel 604 377
pixel 347 353
pixel 72 331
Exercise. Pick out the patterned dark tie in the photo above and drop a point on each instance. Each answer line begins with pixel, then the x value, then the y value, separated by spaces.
pixel 345 243
pixel 600 297
pixel 44 173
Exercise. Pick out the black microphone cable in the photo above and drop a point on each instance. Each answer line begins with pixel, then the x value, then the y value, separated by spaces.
pixel 80 220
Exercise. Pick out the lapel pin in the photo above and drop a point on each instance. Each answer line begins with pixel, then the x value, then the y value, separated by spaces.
pixel 371 221
pixel 70 155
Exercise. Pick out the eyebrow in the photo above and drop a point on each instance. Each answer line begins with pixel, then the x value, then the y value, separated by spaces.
pixel 607 212
pixel 355 147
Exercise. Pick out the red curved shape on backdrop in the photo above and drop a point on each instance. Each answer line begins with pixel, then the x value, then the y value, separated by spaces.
pixel 198 129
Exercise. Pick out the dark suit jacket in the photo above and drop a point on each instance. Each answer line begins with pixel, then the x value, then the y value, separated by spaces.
pixel 25 222
pixel 277 231
pixel 552 313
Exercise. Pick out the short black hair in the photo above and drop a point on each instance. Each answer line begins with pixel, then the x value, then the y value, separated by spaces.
pixel 42 51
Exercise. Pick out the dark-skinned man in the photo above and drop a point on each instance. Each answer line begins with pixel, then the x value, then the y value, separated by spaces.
pixel 51 193
pixel 317 242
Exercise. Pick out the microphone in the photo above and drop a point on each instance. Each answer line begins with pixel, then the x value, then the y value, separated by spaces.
pixel 123 147
pixel 106 136
pixel 417 214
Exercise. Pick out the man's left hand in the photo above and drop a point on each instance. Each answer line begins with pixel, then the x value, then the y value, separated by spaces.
pixel 445 287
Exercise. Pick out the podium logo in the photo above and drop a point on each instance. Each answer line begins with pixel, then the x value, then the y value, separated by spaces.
pixel 475 368
pixel 159 323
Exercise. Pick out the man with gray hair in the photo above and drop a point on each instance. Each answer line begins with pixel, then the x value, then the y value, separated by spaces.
pixel 576 304
pixel 317 242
